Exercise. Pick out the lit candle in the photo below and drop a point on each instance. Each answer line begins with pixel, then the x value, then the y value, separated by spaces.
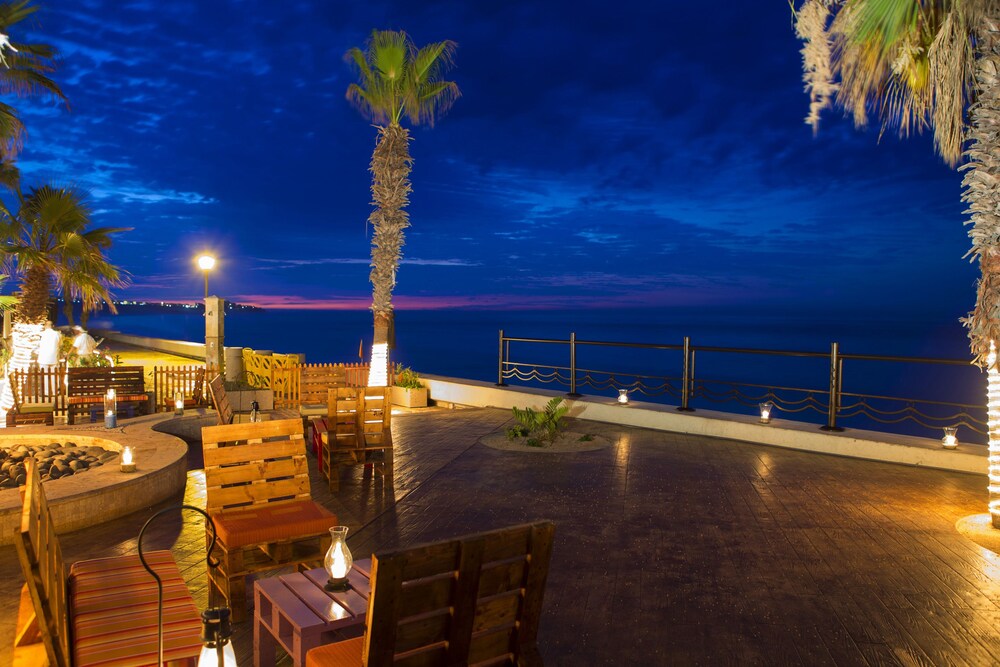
pixel 765 412
pixel 623 396
pixel 950 439
pixel 178 404
pixel 128 459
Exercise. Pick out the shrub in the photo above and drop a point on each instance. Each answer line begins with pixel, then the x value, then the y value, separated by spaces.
pixel 407 378
pixel 540 428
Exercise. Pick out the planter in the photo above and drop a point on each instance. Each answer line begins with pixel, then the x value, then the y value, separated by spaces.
pixel 409 398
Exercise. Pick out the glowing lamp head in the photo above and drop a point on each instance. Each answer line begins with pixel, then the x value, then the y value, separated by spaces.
pixel 338 560
pixel 950 439
pixel 128 459
pixel 206 262
pixel 623 397
pixel 765 412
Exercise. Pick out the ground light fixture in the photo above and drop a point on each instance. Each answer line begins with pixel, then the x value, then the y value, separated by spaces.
pixel 765 412
pixel 623 397
pixel 338 560
pixel 216 628
pixel 950 439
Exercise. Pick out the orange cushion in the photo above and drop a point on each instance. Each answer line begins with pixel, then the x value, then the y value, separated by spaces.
pixel 347 652
pixel 273 522
pixel 113 612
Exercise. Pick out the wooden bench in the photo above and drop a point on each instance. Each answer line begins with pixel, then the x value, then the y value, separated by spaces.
pixel 257 492
pixel 472 600
pixel 108 606
pixel 87 387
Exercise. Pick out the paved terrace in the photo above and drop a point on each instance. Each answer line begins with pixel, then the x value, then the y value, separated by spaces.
pixel 670 549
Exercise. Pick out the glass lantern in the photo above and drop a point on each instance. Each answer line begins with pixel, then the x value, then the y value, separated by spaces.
pixel 215 633
pixel 338 560
pixel 127 458
pixel 110 409
pixel 623 396
pixel 765 412
pixel 950 439
pixel 179 403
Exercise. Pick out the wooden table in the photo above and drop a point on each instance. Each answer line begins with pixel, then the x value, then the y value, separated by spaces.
pixel 293 611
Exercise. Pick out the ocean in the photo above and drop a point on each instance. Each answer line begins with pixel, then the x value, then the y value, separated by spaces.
pixel 464 344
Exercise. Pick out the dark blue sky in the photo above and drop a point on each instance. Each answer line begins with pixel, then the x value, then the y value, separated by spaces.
pixel 623 154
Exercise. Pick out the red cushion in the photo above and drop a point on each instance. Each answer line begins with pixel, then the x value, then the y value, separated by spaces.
pixel 272 522
pixel 113 612
pixel 347 652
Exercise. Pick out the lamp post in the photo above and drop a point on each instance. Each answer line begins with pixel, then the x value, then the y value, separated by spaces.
pixel 206 263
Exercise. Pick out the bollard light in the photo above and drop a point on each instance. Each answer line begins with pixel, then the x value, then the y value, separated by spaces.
pixel 623 396
pixel 128 458
pixel 338 560
pixel 950 439
pixel 765 412
pixel 110 409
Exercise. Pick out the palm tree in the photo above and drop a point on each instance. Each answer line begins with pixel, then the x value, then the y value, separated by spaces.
pixel 49 245
pixel 917 64
pixel 24 70
pixel 396 81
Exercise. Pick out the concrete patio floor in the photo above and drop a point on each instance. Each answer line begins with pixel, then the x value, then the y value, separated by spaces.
pixel 670 549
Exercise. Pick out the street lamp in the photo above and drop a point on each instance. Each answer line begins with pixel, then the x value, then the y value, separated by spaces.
pixel 206 263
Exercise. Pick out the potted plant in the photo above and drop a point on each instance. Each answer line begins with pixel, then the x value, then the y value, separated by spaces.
pixel 409 391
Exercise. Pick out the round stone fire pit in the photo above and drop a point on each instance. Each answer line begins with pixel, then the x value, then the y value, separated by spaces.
pixel 102 492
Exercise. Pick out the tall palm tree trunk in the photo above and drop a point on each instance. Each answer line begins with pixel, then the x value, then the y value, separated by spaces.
pixel 982 193
pixel 390 166
pixel 30 313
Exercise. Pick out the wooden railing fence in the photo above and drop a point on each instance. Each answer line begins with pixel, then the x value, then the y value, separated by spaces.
pixel 301 384
pixel 168 380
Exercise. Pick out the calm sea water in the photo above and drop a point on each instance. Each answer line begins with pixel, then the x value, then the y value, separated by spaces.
pixel 464 343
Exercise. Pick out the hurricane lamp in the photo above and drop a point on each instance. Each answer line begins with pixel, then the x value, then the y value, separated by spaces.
pixel 127 458
pixel 179 403
pixel 765 412
pixel 950 439
pixel 110 409
pixel 215 632
pixel 623 396
pixel 338 560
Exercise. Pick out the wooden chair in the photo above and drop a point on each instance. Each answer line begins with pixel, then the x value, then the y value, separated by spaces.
pixel 257 492
pixel 108 606
pixel 220 401
pixel 341 440
pixel 24 412
pixel 475 599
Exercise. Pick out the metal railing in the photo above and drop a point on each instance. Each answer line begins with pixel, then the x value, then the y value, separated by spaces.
pixel 829 399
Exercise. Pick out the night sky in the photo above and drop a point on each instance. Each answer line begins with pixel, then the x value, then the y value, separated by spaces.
pixel 602 154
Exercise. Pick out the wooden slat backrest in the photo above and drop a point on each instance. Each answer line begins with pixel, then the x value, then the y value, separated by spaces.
pixel 342 420
pixel 254 464
pixel 168 380
pixel 375 416
pixel 220 400
pixel 40 385
pixel 472 599
pixel 316 379
pixel 126 380
pixel 41 560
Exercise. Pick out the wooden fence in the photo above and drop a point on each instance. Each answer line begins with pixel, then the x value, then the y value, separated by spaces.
pixel 307 384
pixel 168 380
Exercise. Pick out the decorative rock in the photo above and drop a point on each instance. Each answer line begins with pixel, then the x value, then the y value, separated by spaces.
pixel 54 461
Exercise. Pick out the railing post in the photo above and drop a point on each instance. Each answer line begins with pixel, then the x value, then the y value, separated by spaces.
pixel 500 363
pixel 686 379
pixel 572 366
pixel 833 406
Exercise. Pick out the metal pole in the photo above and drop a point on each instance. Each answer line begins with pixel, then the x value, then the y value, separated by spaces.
pixel 686 379
pixel 206 283
pixel 834 404
pixel 572 366
pixel 500 358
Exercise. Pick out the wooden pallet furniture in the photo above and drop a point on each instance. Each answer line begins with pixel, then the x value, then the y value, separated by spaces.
pixel 105 612
pixel 340 433
pixel 315 381
pixel 220 401
pixel 295 612
pixel 24 412
pixel 86 387
pixel 470 600
pixel 257 492
pixel 169 380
